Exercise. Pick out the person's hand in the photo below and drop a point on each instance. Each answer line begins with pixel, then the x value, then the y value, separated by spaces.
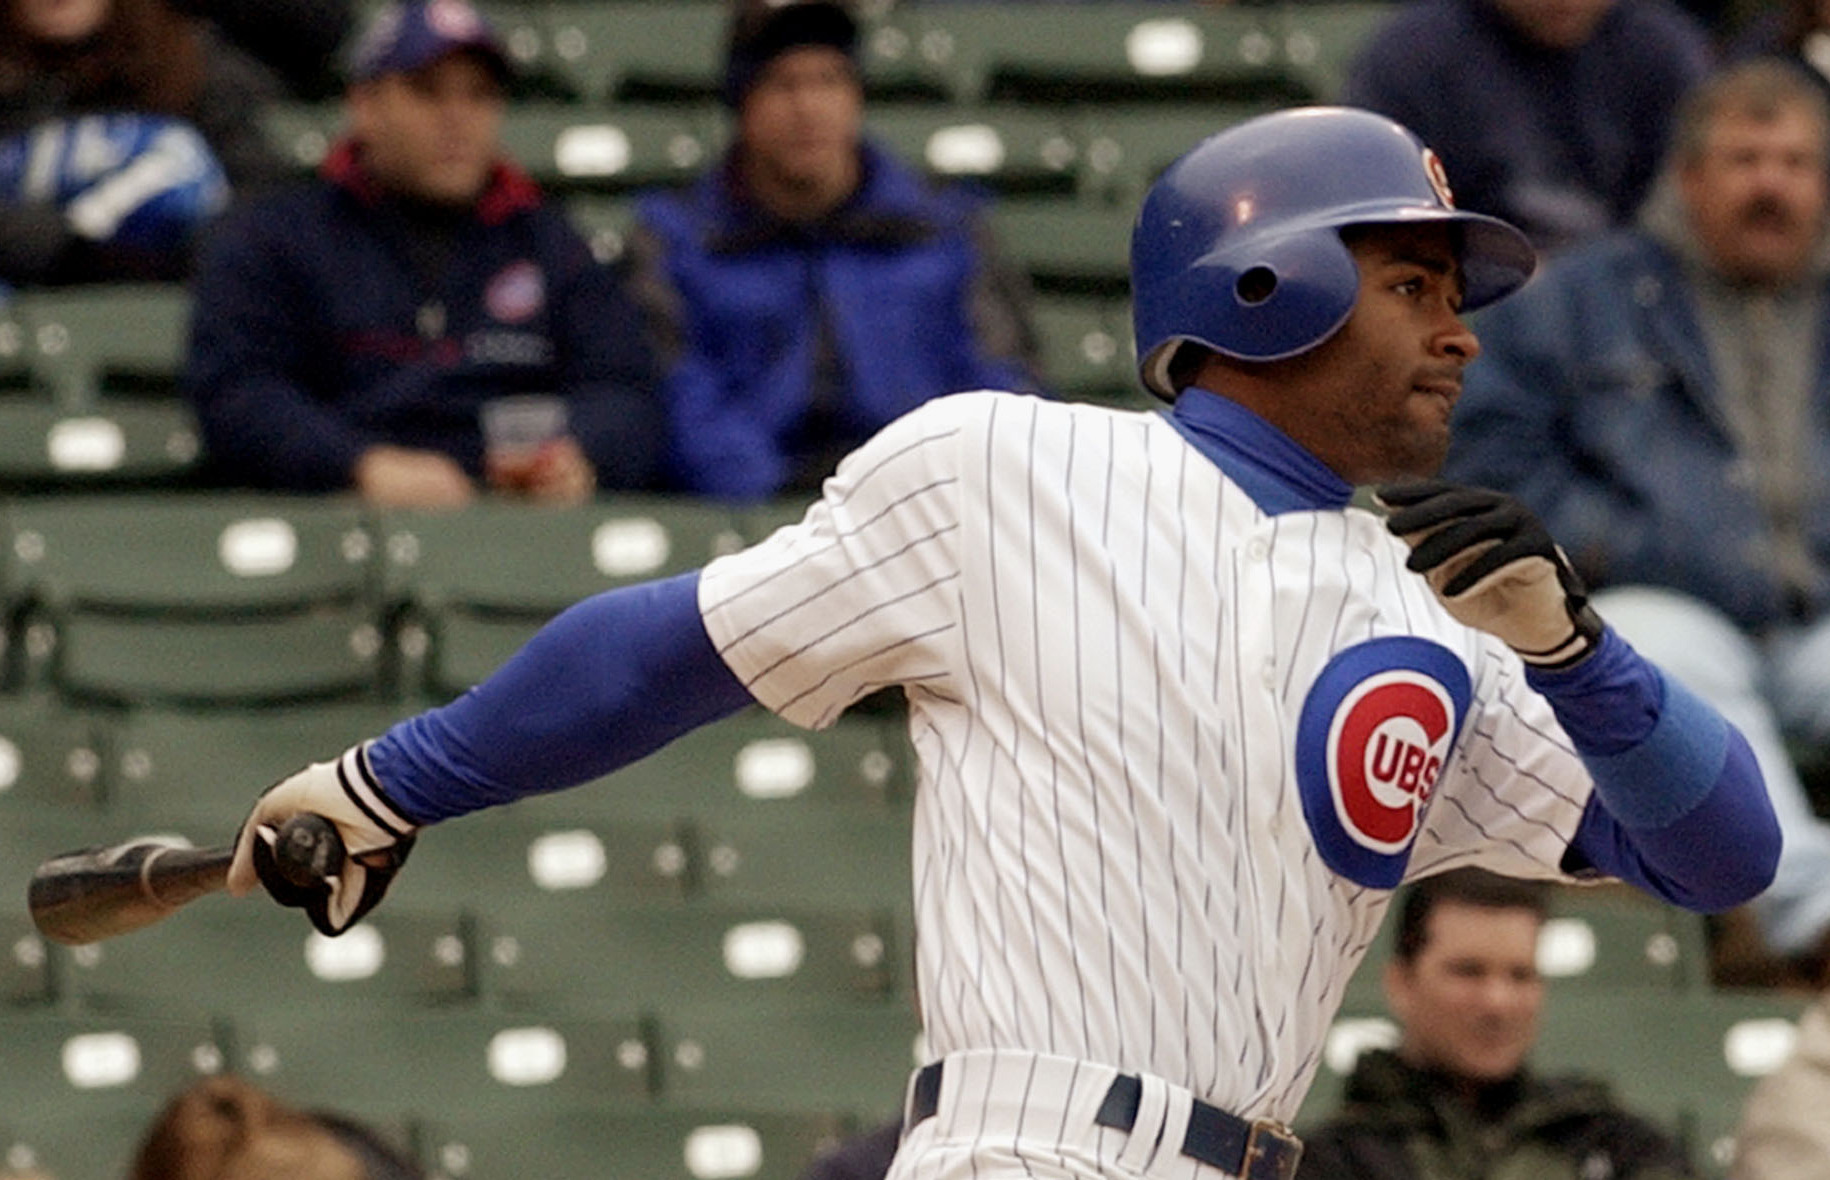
pixel 1494 566
pixel 376 840
pixel 555 472
pixel 398 477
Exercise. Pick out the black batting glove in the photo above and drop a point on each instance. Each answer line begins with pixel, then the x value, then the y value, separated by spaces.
pixel 1495 567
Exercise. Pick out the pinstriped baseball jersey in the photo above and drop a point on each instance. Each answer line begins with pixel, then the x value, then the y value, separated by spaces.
pixel 1175 752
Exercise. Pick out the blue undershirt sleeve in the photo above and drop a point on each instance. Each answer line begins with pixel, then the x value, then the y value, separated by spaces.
pixel 1679 808
pixel 609 681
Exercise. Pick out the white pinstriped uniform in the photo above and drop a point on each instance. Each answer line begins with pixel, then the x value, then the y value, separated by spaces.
pixel 1107 647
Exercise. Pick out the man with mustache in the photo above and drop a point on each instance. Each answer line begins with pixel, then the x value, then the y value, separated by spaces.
pixel 1659 397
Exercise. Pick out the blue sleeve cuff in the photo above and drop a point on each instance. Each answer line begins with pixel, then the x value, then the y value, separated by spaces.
pixel 1665 776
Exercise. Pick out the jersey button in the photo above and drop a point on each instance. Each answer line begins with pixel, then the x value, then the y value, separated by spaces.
pixel 1258 550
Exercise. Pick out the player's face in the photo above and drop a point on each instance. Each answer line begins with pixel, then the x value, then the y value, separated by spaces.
pixel 1469 1001
pixel 801 120
pixel 60 20
pixel 1373 401
pixel 1756 193
pixel 433 133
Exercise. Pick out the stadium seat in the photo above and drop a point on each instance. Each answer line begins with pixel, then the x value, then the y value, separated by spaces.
pixel 265 959
pixel 506 861
pixel 1320 38
pixel 15 375
pixel 326 654
pixel 656 957
pixel 26 979
pixel 61 1064
pixel 847 1058
pixel 482 557
pixel 1126 146
pixel 570 148
pixel 112 339
pixel 301 132
pixel 51 758
pixel 450 1063
pixel 1617 941
pixel 1005 149
pixel 1066 246
pixel 204 768
pixel 1087 351
pixel 629 51
pixel 659 1144
pixel 111 442
pixel 604 221
pixel 1085 53
pixel 806 858
pixel 85 1145
pixel 755 761
pixel 190 554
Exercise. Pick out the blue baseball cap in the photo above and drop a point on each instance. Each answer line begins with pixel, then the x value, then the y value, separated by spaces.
pixel 406 36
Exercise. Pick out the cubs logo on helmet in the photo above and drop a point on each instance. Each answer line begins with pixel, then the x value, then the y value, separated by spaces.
pixel 1376 731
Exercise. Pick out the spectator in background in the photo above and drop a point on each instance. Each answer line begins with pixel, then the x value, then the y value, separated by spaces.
pixel 1783 1134
pixel 1662 399
pixel 811 288
pixel 1456 1100
pixel 367 330
pixel 1552 113
pixel 226 1129
pixel 124 128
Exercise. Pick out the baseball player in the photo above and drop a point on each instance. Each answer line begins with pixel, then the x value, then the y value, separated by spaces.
pixel 1185 715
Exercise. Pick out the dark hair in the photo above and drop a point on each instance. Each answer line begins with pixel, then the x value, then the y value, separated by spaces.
pixel 1475 887
pixel 145 57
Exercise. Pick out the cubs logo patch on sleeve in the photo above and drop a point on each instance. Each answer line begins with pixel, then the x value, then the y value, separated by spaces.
pixel 1375 732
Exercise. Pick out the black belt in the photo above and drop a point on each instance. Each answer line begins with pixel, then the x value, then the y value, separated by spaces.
pixel 1260 1150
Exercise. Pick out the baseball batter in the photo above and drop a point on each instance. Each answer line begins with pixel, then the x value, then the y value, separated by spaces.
pixel 1186 716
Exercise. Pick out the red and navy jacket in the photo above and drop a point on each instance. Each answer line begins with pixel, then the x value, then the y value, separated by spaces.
pixel 315 336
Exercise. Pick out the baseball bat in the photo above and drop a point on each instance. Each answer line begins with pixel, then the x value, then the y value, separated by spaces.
pixel 95 893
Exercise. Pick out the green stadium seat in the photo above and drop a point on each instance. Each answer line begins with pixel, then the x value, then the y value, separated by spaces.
pixel 301 132
pixel 112 339
pixel 79 1146
pixel 806 858
pixel 1067 246
pixel 1321 37
pixel 26 974
pixel 1126 146
pixel 507 861
pixel 256 958
pixel 15 373
pixel 326 654
pixel 1616 940
pixel 1005 149
pixel 66 1065
pixel 205 768
pixel 481 558
pixel 755 761
pixel 190 554
pixel 452 1064
pixel 604 222
pixel 632 51
pixel 51 758
pixel 847 1058
pixel 1088 53
pixel 658 1144
pixel 659 957
pixel 1087 351
pixel 112 442
pixel 570 148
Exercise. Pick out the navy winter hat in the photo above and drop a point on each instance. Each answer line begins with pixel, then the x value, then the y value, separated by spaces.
pixel 762 30
pixel 407 35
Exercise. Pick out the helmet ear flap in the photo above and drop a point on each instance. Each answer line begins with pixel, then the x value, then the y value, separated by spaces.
pixel 1279 297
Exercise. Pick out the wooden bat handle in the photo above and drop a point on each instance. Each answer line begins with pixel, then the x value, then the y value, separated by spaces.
pixel 95 893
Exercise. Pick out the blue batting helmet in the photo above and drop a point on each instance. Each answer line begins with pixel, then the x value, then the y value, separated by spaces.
pixel 1237 247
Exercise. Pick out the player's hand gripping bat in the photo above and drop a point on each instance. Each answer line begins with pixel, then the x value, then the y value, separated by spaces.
pixel 95 893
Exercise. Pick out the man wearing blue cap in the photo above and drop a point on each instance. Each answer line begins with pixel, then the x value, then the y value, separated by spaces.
pixel 811 287
pixel 418 322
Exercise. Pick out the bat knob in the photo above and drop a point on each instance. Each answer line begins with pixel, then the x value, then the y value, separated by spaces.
pixel 307 850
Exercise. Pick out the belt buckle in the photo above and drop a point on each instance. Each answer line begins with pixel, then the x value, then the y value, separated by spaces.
pixel 1271 1151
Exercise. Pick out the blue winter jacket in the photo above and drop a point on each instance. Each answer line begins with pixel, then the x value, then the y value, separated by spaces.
pixel 314 336
pixel 1594 400
pixel 875 303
